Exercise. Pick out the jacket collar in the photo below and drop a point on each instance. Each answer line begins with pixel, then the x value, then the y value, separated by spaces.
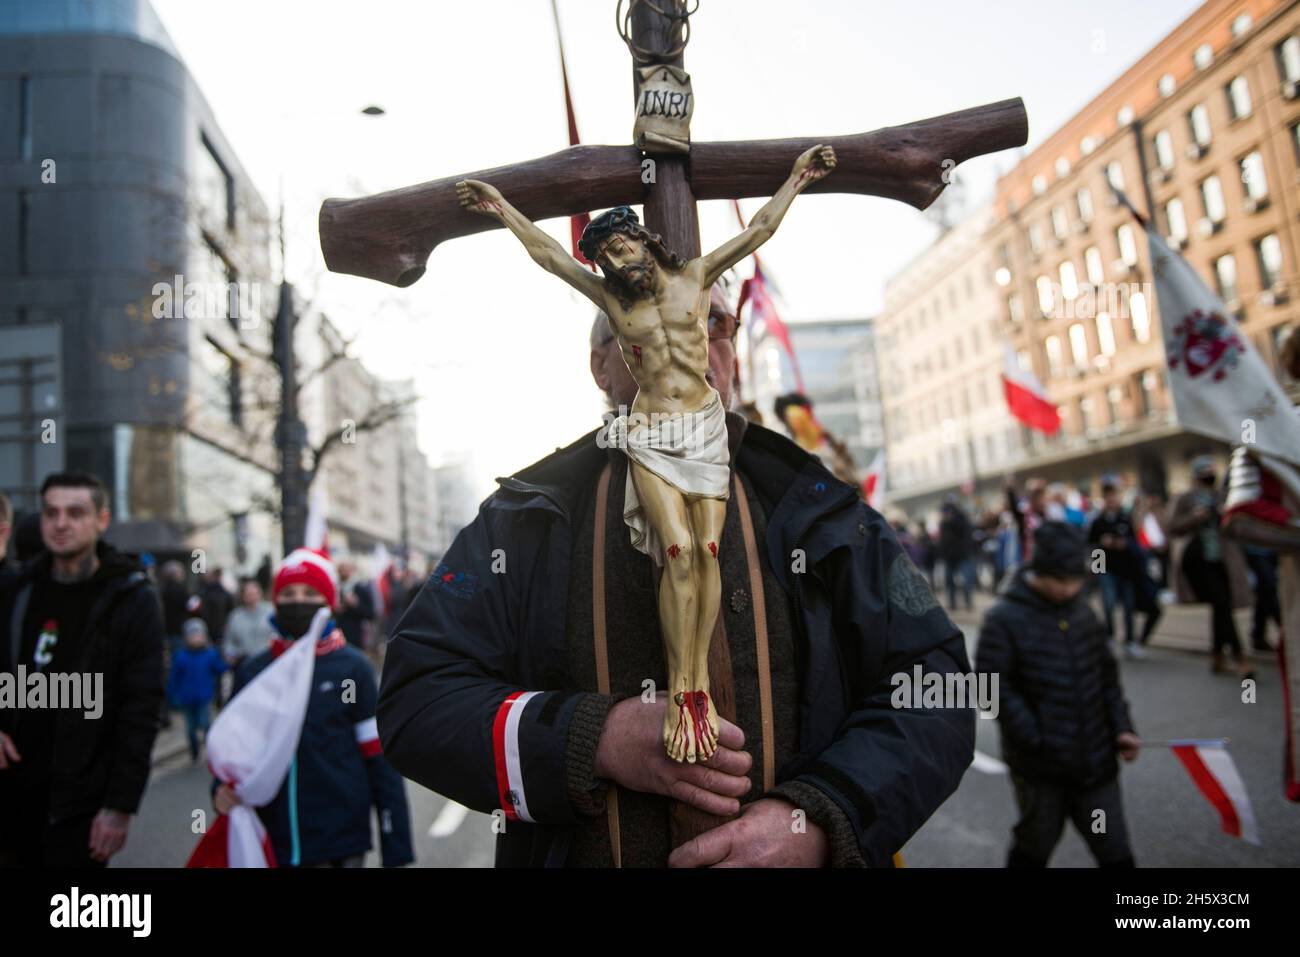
pixel 793 486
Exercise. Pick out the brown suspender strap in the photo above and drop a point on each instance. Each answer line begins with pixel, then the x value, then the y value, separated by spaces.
pixel 602 645
pixel 760 636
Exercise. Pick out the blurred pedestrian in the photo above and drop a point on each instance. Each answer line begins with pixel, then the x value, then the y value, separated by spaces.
pixel 248 629
pixel 192 685
pixel 929 552
pixel 1263 565
pixel 955 553
pixel 320 817
pixel 70 779
pixel 1061 710
pixel 1112 529
pixel 356 608
pixel 1210 567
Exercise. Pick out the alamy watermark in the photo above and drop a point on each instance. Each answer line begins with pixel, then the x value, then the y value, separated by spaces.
pixel 934 689
pixel 20 691
pixel 239 302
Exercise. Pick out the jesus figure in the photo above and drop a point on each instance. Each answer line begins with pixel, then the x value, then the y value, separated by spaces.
pixel 675 435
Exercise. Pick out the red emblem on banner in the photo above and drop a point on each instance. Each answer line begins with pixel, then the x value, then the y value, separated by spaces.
pixel 1203 343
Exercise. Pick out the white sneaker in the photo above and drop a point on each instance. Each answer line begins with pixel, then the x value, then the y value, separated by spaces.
pixel 1135 652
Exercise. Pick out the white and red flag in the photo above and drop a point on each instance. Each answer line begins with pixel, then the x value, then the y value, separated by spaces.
pixel 1215 776
pixel 1221 387
pixel 873 485
pixel 250 747
pixel 1026 398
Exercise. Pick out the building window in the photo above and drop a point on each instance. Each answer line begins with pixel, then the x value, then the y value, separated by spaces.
pixel 1140 318
pixel 1115 174
pixel 1212 199
pixel 1093 263
pixel 1241 23
pixel 1164 145
pixel 1087 145
pixel 1252 175
pixel 25 117
pixel 1268 252
pixel 215 185
pixel 1238 98
pixel 1035 238
pixel 1148 384
pixel 1039 184
pixel 1280 334
pixel 1085 415
pixel 1167 85
pixel 1014 309
pixel 1105 334
pixel 217 383
pixel 1083 203
pixel 24 231
pixel 1288 59
pixel 1060 225
pixel 1046 296
pixel 1062 167
pixel 1176 220
pixel 1128 251
pixel 1125 115
pixel 1203 56
pixel 1114 400
pixel 1079 346
pixel 1225 273
pixel 1052 349
pixel 1198 122
pixel 1069 280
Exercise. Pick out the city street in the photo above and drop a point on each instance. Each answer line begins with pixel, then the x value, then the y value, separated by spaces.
pixel 1172 694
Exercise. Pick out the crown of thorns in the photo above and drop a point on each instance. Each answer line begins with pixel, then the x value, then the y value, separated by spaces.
pixel 620 219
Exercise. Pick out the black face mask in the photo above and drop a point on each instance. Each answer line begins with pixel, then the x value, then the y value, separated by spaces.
pixel 294 617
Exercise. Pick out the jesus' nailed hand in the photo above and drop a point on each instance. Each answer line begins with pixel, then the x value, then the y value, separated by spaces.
pixel 658 306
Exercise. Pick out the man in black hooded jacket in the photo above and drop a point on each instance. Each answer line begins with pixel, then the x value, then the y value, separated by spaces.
pixel 72 776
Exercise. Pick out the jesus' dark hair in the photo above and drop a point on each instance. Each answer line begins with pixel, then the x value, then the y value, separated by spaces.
pixel 622 219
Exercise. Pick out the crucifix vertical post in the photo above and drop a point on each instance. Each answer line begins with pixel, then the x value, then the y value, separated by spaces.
pixel 669 208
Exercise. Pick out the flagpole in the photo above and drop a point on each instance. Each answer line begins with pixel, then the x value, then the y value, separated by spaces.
pixel 1185 742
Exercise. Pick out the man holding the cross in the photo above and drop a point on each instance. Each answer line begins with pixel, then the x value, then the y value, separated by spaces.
pixel 676 486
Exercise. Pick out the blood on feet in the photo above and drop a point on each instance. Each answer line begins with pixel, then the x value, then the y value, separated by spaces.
pixel 713 547
pixel 693 735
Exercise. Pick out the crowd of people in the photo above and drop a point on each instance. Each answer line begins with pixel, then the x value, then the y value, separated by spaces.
pixel 72 604
pixel 1144 553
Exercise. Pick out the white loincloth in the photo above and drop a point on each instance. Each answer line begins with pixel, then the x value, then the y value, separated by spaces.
pixel 689 452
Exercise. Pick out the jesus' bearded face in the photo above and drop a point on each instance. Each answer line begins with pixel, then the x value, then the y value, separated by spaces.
pixel 628 258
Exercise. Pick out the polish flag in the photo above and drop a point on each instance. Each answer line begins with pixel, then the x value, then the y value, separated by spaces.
pixel 1215 775
pixel 1026 397
pixel 873 485
pixel 251 745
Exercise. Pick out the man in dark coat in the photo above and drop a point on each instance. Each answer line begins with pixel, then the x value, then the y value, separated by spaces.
pixel 72 776
pixel 526 678
pixel 1061 709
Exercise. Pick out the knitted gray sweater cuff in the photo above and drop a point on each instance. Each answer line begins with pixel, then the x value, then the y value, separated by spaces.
pixel 586 791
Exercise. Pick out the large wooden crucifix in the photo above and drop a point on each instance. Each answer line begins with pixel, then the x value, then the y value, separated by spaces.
pixel 651 292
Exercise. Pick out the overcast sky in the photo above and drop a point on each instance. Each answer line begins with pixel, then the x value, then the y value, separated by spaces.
pixel 497 347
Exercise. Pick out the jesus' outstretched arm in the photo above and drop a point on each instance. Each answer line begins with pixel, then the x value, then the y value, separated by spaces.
pixel 480 197
pixel 812 165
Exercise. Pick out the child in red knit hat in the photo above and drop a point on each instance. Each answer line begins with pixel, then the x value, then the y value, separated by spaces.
pixel 321 815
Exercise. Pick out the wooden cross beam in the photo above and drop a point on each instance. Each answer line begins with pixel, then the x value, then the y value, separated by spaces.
pixel 390 236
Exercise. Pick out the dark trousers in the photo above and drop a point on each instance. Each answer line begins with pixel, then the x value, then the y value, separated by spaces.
pixel 29 841
pixel 958 571
pixel 1118 589
pixel 197 718
pixel 1044 808
pixel 1209 580
pixel 1267 605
